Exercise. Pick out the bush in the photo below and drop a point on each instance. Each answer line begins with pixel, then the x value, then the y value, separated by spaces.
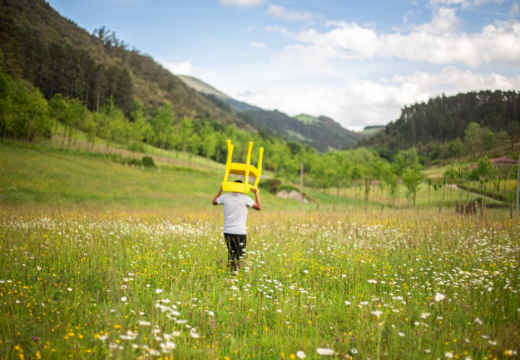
pixel 148 161
pixel 270 185
pixel 136 147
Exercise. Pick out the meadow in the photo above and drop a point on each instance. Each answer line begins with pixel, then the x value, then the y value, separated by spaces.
pixel 102 260
pixel 143 284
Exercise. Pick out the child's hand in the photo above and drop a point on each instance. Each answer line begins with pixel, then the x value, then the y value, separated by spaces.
pixel 254 189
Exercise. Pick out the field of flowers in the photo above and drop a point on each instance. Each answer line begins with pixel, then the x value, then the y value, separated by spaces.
pixel 403 285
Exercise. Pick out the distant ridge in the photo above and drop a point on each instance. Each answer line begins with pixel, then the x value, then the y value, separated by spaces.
pixel 323 133
pixel 201 86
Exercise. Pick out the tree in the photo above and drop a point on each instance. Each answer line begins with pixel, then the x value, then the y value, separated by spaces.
pixel 455 148
pixel 78 113
pixel 343 166
pixel 194 144
pixel 185 131
pixel 208 141
pixel 412 178
pixel 471 136
pixel 484 170
pixel 90 127
pixel 429 182
pixel 109 110
pixel 489 141
pixel 163 122
pixel 57 107
pixel 503 139
pixel 37 110
pixel 220 143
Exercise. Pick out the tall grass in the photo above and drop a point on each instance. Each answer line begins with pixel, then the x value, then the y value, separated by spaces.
pixel 144 284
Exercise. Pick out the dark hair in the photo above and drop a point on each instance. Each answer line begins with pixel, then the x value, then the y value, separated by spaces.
pixel 239 181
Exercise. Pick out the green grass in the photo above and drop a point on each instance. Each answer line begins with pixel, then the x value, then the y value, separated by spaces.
pixel 91 284
pixel 32 174
pixel 86 243
pixel 507 189
pixel 42 176
pixel 307 119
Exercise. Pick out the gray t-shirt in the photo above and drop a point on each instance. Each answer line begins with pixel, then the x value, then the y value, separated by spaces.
pixel 235 212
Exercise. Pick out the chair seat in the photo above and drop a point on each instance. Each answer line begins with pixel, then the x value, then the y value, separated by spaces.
pixel 236 187
pixel 240 169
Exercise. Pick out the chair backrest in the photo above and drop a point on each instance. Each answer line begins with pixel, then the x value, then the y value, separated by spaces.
pixel 248 169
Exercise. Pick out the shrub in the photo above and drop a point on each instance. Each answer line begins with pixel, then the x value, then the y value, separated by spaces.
pixel 270 185
pixel 148 161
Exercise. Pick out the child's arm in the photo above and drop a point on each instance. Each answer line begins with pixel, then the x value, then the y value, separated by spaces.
pixel 258 204
pixel 217 196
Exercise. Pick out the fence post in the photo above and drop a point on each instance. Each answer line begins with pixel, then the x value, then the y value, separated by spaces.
pixel 517 180
pixel 301 184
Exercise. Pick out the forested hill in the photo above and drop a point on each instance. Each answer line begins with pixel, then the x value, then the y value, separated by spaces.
pixel 57 56
pixel 324 134
pixel 445 118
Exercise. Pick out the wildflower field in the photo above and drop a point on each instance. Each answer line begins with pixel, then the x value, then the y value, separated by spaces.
pixel 129 285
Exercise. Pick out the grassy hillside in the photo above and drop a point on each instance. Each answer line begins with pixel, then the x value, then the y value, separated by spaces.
pixel 58 56
pixel 307 119
pixel 372 130
pixel 33 175
pixel 200 86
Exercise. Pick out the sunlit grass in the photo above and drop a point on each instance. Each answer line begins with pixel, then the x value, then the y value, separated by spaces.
pixel 93 284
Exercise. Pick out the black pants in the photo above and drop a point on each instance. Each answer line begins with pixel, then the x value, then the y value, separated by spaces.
pixel 236 245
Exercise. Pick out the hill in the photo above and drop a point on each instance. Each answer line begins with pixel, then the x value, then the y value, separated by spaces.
pixel 57 56
pixel 372 130
pixel 445 119
pixel 32 175
pixel 307 119
pixel 201 86
pixel 322 133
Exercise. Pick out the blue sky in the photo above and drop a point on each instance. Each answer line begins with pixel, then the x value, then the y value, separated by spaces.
pixel 356 62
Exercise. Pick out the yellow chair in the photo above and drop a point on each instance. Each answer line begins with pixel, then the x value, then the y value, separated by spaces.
pixel 242 169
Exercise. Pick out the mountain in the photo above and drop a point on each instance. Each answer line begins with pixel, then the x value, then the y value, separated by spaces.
pixel 57 56
pixel 321 133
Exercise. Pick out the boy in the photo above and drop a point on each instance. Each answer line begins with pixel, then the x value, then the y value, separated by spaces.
pixel 235 217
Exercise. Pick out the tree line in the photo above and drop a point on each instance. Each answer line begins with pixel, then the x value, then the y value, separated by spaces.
pixel 438 128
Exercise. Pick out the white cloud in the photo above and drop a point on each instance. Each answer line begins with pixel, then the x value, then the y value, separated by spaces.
pixel 444 21
pixel 241 3
pixel 277 28
pixel 281 12
pixel 183 68
pixel 362 102
pixel 514 9
pixel 497 43
pixel 257 44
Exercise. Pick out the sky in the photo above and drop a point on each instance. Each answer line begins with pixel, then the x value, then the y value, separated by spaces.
pixel 357 62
